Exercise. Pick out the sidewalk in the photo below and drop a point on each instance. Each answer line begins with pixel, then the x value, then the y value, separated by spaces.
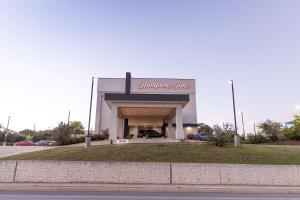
pixel 148 188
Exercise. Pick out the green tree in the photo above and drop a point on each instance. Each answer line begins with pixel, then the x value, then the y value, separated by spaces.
pixel 27 132
pixel 293 133
pixel 61 134
pixel 272 130
pixel 222 136
pixel 76 128
pixel 205 128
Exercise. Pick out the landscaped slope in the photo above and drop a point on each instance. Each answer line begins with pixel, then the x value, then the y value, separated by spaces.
pixel 176 152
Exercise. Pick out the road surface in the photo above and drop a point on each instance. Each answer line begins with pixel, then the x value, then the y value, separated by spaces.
pixel 11 195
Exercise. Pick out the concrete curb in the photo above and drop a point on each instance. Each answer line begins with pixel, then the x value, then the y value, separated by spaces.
pixel 148 188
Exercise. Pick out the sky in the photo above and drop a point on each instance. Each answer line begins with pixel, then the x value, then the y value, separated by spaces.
pixel 50 49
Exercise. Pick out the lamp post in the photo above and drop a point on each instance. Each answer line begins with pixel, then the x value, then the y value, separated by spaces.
pixel 298 109
pixel 237 141
pixel 244 134
pixel 88 137
pixel 69 117
pixel 4 144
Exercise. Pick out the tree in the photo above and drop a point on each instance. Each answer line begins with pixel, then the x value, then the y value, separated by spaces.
pixel 220 136
pixel 76 128
pixel 272 130
pixel 205 128
pixel 27 132
pixel 293 133
pixel 61 134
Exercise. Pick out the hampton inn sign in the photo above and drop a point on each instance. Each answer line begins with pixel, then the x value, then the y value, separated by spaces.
pixel 167 85
pixel 127 106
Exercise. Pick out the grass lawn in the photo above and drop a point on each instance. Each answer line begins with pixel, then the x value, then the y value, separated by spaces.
pixel 172 152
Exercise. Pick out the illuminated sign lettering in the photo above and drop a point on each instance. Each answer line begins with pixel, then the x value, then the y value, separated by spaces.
pixel 163 85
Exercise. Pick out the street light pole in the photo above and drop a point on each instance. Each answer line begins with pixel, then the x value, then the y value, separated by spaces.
pixel 69 117
pixel 88 137
pixel 298 109
pixel 4 144
pixel 244 134
pixel 236 136
pixel 254 129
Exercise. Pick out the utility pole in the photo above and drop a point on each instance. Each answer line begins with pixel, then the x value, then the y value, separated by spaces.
pixel 69 117
pixel 237 141
pixel 244 134
pixel 88 137
pixel 4 144
pixel 254 129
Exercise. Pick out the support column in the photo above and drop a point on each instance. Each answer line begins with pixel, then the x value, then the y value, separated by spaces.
pixel 170 129
pixel 114 123
pixel 179 134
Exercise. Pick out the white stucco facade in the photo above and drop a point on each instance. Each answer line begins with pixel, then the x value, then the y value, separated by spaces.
pixel 161 104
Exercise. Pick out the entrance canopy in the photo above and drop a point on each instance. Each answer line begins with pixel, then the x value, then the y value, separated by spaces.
pixel 127 112
pixel 146 98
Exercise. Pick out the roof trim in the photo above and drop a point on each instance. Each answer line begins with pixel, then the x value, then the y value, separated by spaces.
pixel 146 97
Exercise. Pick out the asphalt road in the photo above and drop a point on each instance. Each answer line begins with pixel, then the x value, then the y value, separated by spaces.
pixel 11 195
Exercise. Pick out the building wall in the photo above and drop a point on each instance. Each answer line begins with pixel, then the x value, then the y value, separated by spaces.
pixel 117 85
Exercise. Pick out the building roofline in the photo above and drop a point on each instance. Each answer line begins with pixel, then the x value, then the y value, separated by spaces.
pixel 150 78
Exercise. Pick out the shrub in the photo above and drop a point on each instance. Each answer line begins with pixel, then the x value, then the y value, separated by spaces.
pixel 61 134
pixel 256 139
pixel 293 133
pixel 204 128
pixel 105 133
pixel 191 136
pixel 129 136
pixel 74 140
pixel 81 139
pixel 220 136
pixel 66 141
pixel 272 130
pixel 98 137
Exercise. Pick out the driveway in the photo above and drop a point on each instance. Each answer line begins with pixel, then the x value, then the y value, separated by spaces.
pixel 141 140
pixel 14 150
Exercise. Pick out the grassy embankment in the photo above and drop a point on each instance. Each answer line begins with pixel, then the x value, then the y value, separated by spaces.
pixel 180 152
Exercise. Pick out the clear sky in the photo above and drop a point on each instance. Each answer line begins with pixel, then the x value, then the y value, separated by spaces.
pixel 49 50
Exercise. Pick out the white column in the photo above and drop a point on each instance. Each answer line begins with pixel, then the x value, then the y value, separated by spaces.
pixel 179 134
pixel 114 123
pixel 170 129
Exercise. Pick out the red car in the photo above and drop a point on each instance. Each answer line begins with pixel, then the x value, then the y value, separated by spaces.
pixel 24 143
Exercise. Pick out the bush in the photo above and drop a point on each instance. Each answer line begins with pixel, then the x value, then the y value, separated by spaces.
pixel 220 136
pixel 272 130
pixel 98 137
pixel 256 139
pixel 61 134
pixel 81 139
pixel 204 128
pixel 105 133
pixel 191 136
pixel 129 136
pixel 293 133
pixel 11 138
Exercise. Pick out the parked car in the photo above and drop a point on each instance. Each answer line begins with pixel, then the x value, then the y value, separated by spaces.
pixel 45 143
pixel 202 137
pixel 149 133
pixel 41 143
pixel 51 142
pixel 24 143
